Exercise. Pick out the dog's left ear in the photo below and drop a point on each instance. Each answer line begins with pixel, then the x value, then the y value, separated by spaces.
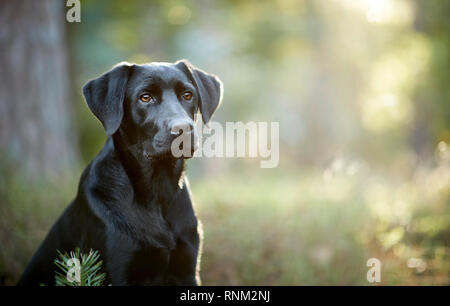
pixel 105 96
pixel 209 87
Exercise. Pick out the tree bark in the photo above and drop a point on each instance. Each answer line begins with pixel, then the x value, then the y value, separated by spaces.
pixel 36 131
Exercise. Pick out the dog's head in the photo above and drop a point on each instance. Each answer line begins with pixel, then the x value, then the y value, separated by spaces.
pixel 154 104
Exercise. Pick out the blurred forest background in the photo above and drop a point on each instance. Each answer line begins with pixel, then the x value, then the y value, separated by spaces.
pixel 361 91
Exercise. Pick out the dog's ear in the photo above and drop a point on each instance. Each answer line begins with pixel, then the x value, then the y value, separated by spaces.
pixel 209 87
pixel 105 96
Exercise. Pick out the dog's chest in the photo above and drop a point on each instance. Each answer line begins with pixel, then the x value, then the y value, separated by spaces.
pixel 156 229
pixel 145 257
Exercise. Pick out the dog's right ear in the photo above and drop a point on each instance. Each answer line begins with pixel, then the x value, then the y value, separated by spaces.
pixel 105 96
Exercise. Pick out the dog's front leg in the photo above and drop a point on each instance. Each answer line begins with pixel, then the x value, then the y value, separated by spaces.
pixel 183 269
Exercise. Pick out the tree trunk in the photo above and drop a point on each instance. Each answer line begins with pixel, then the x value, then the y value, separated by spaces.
pixel 36 131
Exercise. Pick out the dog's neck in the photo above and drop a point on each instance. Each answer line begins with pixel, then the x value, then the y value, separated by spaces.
pixel 153 181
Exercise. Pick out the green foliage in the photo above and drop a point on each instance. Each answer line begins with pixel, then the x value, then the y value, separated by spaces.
pixel 89 269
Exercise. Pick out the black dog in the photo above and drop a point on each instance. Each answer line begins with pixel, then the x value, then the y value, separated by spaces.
pixel 133 203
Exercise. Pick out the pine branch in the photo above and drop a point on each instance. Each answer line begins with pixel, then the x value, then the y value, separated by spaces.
pixel 78 269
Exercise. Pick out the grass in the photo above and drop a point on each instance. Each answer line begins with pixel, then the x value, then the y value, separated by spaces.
pixel 280 227
pixel 300 230
pixel 27 211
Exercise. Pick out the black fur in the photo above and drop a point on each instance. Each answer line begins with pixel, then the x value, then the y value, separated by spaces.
pixel 133 203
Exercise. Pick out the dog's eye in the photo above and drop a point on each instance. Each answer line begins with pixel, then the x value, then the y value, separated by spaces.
pixel 146 98
pixel 187 95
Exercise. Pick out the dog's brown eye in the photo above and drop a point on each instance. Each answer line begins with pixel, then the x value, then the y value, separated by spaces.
pixel 187 95
pixel 146 98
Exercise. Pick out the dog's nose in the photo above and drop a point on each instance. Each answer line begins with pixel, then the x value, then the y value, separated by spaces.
pixel 179 126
